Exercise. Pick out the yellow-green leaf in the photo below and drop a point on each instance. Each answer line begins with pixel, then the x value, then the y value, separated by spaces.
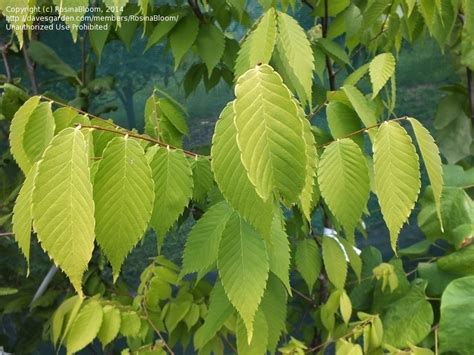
pixel 63 208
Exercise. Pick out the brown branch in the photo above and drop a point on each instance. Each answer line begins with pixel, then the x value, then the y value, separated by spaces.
pixel 364 130
pixel 197 11
pixel 138 136
pixel 6 234
pixel 30 69
pixel 470 90
pixel 329 66
pixel 123 131
pixel 302 295
pixel 8 72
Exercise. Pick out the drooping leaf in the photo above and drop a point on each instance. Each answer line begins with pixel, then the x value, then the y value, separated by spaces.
pixel 110 326
pixel 258 45
pixel 365 112
pixel 63 208
pixel 173 187
pixel 61 316
pixel 47 57
pixel 162 29
pixel 22 215
pixel 210 45
pixel 297 57
pixel 408 320
pixel 270 134
pixel 98 37
pixel 334 262
pixel 17 132
pixel 279 252
pixel 308 261
pixel 73 14
pixel 182 37
pixel 85 326
pixel 343 166
pixel 397 176
pixel 457 304
pixel 256 344
pixel 243 268
pixel 203 180
pixel 381 69
pixel 220 309
pixel 39 131
pixel 231 176
pixel 202 244
pixel 307 198
pixel 130 323
pixel 123 194
pixel 430 154
pixel 342 121
pixel 274 308
pixel 64 117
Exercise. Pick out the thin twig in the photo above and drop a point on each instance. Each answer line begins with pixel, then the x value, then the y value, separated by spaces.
pixel 138 136
pixel 302 295
pixel 6 234
pixel 123 131
pixel 30 69
pixel 364 130
pixel 197 11
pixel 8 72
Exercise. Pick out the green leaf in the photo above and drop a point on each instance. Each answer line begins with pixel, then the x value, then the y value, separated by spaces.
pixel 203 180
pixel 182 37
pixel 98 37
pixel 65 117
pixel 408 320
pixel 231 176
pixel 243 268
pixel 162 29
pixel 457 308
pixel 22 215
pixel 173 187
pixel 296 54
pixel 73 13
pixel 333 50
pixel 341 167
pixel 256 344
pixel 342 121
pixel 63 208
pixel 202 244
pixel 130 324
pixel 174 114
pixel 176 312
pixel 307 198
pixel 334 262
pixel 39 131
pixel 123 194
pixel 308 261
pixel 430 154
pixel 397 176
pixel 270 134
pixel 274 308
pixel 63 315
pixel 365 112
pixel 17 132
pixel 460 262
pixel 258 45
pixel 85 326
pixel 210 45
pixel 381 69
pixel 47 57
pixel 220 309
pixel 110 326
pixel 279 252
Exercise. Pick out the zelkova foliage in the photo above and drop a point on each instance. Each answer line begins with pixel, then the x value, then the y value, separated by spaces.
pixel 94 190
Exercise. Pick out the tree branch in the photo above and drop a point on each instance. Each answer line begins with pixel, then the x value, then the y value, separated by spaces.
pixel 330 69
pixel 197 11
pixel 470 90
pixel 8 72
pixel 30 69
